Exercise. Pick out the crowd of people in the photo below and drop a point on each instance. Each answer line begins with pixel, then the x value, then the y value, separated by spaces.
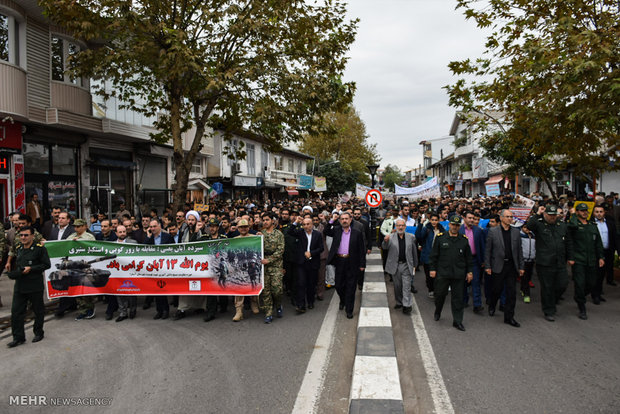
pixel 311 245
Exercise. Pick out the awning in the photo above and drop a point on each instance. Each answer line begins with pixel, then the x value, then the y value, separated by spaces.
pixel 197 184
pixel 272 183
pixel 292 192
pixel 494 180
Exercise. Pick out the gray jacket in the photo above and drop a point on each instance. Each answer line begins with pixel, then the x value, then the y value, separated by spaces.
pixel 411 252
pixel 494 253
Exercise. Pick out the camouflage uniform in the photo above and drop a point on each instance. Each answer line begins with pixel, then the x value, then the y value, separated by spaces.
pixel 3 241
pixel 273 245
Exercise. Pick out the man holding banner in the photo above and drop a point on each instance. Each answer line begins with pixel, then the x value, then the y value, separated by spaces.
pixel 158 237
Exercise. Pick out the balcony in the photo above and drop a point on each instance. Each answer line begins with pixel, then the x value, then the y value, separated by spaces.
pixel 466 149
pixel 71 98
pixel 13 97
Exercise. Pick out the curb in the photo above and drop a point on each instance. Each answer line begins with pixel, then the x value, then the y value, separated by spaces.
pixel 375 386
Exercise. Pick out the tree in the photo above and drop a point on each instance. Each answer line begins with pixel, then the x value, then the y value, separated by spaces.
pixel 342 137
pixel 338 181
pixel 391 176
pixel 551 70
pixel 271 67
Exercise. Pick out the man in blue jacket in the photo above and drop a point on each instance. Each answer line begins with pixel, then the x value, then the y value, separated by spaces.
pixel 475 237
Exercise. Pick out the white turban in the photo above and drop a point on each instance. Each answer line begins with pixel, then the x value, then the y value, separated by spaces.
pixel 192 213
pixel 307 208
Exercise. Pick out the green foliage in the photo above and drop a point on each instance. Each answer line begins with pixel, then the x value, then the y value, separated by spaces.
pixel 271 67
pixel 338 180
pixel 342 137
pixel 392 175
pixel 550 75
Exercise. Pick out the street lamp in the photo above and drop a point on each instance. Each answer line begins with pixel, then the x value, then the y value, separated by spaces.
pixel 373 221
pixel 373 171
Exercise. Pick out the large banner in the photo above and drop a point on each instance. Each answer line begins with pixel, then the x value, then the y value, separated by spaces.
pixel 361 190
pixel 214 267
pixel 320 184
pixel 521 208
pixel 426 190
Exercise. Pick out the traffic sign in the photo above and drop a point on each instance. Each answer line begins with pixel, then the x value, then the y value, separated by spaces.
pixel 374 198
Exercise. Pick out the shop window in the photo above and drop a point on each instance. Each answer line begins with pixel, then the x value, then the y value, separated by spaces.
pixel 63 160
pixel 36 158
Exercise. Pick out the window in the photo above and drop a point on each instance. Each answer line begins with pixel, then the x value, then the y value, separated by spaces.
pixel 232 151
pixel 300 167
pixel 63 159
pixel 264 159
pixel 9 39
pixel 251 157
pixel 37 158
pixel 62 50
pixel 197 166
pixel 278 162
pixel 291 165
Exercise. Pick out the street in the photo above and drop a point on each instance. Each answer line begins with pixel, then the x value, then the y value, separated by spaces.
pixel 568 366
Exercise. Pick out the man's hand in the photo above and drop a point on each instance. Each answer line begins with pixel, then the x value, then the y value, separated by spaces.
pixel 433 273
pixel 368 251
pixel 521 272
pixel 299 219
pixel 541 209
pixel 7 267
pixel 387 238
pixel 26 270
pixel 264 261
pixel 470 276
pixel 488 270
pixel 362 269
pixel 601 262
pixel 571 262
pixel 307 254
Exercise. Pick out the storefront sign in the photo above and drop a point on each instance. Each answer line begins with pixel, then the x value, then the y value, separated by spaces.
pixel 305 182
pixel 20 184
pixel 493 189
pixel 11 137
pixel 320 184
pixel 241 181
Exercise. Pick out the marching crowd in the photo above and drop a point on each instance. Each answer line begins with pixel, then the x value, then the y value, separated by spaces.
pixel 311 245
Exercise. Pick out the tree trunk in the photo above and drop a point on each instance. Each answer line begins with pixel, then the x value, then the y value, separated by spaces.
pixel 553 194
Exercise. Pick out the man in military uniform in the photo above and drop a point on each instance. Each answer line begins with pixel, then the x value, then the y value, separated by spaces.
pixel 23 222
pixel 273 247
pixel 554 248
pixel 451 264
pixel 30 262
pixel 588 255
pixel 212 301
pixel 86 304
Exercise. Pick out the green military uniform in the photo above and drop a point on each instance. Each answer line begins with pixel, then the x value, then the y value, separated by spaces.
pixel 588 250
pixel 212 301
pixel 273 246
pixel 28 288
pixel 553 248
pixel 38 237
pixel 3 241
pixel 451 258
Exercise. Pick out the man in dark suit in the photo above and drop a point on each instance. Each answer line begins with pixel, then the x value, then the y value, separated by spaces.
pixel 158 237
pixel 62 232
pixel 348 255
pixel 309 246
pixel 503 260
pixel 63 229
pixel 46 230
pixel 142 233
pixel 475 237
pixel 607 229
pixel 107 234
pixel 361 224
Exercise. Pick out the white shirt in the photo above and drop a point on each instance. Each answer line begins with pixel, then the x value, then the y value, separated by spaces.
pixel 602 229
pixel 309 237
pixel 61 231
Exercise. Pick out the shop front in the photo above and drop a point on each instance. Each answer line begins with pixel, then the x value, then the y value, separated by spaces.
pixel 12 190
pixel 110 181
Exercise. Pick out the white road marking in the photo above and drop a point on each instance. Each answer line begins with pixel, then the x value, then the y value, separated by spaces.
pixel 373 256
pixel 375 378
pixel 374 317
pixel 376 287
pixel 374 268
pixel 312 385
pixel 439 393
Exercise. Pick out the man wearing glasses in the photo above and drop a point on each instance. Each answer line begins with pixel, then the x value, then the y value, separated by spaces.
pixel 503 259
pixel 30 262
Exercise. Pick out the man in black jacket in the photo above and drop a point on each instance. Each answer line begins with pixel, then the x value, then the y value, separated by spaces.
pixel 308 259
pixel 348 255
pixel 158 237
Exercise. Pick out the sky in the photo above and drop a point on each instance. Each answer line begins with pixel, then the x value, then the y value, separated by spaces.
pixel 399 64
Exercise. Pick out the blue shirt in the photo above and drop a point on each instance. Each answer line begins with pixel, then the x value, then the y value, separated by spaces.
pixel 157 240
pixel 602 229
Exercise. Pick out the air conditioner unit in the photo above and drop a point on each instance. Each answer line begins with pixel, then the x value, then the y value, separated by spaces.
pixel 236 168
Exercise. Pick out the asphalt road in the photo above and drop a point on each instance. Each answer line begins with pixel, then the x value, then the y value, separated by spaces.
pixel 566 366
pixel 169 366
